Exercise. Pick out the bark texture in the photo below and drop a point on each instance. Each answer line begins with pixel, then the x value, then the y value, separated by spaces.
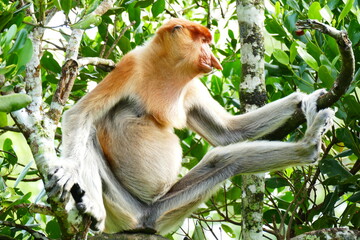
pixel 252 95
pixel 330 233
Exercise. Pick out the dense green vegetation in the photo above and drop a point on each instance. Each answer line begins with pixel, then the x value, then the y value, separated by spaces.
pixel 298 200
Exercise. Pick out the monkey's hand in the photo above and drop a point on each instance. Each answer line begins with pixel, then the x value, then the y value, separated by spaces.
pixel 63 181
pixel 309 105
pixel 61 178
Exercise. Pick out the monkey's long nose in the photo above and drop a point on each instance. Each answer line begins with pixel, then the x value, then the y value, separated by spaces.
pixel 215 62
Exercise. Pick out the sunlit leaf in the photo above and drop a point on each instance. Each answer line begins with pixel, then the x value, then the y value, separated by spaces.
pixel 308 58
pixel 314 11
pixel 281 56
pixel 158 7
pixel 346 10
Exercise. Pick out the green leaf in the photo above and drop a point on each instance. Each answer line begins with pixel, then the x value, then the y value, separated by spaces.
pixel 294 4
pixel 324 75
pixel 216 85
pixel 273 27
pixel 276 182
pixel 89 21
pixel 57 4
pixel 231 68
pixel 354 31
pixel 345 153
pixel 327 14
pixel 10 34
pixel 53 229
pixel 308 58
pixel 354 198
pixel 3 119
pixel 314 11
pixel 158 7
pixel 281 56
pixel 25 53
pixel 7 69
pixel 47 61
pixel 293 52
pixel 198 233
pixel 348 214
pixel 124 44
pixel 9 151
pixel 13 102
pixel 66 6
pixel 349 139
pixel 356 219
pixel 23 174
pixel 144 4
pixel 352 107
pixel 346 10
pixel 134 13
pixel 5 18
pixel 20 41
pixel 271 215
pixel 332 167
pixel 324 222
pixel 229 231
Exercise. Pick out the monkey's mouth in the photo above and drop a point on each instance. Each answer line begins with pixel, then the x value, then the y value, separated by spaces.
pixel 206 68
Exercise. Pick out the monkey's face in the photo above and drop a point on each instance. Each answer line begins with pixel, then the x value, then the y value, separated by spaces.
pixel 189 43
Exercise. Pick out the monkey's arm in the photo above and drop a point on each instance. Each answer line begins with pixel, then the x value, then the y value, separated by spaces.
pixel 78 129
pixel 211 121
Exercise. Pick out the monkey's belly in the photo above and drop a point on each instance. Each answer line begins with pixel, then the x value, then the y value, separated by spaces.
pixel 145 158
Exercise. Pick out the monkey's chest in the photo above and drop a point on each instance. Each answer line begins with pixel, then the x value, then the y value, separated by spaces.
pixel 144 157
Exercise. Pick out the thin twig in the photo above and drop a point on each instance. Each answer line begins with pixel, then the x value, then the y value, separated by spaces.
pixel 118 39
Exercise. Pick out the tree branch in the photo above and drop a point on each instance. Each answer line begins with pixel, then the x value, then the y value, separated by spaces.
pixel 35 234
pixel 118 39
pixel 330 233
pixel 105 64
pixel 71 67
pixel 36 208
pixel 341 83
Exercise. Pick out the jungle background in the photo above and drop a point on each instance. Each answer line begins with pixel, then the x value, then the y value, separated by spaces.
pixel 56 51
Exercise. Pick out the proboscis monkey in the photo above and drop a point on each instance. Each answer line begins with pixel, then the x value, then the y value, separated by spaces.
pixel 121 157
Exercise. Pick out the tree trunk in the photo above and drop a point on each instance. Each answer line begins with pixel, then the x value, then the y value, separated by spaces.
pixel 252 95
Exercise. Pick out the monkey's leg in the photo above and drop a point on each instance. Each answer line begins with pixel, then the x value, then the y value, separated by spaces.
pixel 224 162
pixel 101 195
pixel 87 192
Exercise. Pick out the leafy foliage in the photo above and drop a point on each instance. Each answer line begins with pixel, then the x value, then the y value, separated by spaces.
pixel 297 200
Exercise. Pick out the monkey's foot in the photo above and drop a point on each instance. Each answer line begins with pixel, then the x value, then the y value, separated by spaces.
pixel 87 207
pixel 309 105
pixel 322 123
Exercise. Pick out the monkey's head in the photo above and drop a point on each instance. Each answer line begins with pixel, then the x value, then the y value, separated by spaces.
pixel 189 44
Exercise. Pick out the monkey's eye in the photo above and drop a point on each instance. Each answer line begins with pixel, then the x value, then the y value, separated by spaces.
pixel 177 27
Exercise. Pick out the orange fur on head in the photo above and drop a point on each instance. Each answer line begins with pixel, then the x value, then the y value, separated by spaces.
pixel 189 41
pixel 196 31
pixel 159 71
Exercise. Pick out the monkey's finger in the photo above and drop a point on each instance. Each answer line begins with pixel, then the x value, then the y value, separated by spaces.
pixel 77 192
pixel 66 189
pixel 54 178
pixel 58 187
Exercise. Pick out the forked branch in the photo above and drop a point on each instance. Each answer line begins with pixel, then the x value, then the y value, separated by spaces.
pixel 340 85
